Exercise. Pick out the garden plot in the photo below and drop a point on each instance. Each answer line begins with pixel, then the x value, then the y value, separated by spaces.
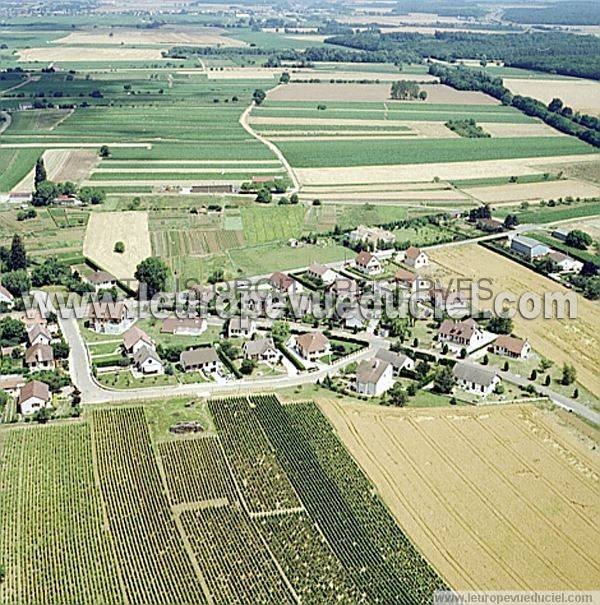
pixel 534 191
pixel 104 229
pixel 496 498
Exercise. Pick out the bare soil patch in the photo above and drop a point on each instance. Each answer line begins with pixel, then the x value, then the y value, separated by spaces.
pixel 83 53
pixel 104 229
pixel 562 340
pixel 534 191
pixel 499 129
pixel 580 95
pixel 495 498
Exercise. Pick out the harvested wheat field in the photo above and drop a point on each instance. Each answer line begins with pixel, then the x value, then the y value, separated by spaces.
pixel 495 498
pixel 85 53
pixel 105 229
pixel 586 171
pixel 536 129
pixel 446 171
pixel 202 36
pixel 590 225
pixel 242 73
pixel 561 340
pixel 534 191
pixel 580 95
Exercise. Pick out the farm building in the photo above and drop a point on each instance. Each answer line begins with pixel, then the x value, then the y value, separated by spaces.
pixel 374 377
pixel 374 236
pixel 560 234
pixel 311 346
pixel 101 280
pixel 464 333
pixel 203 359
pixel 38 335
pixel 262 349
pixel 110 318
pixel 415 257
pixel 475 379
pixel 398 361
pixel 147 361
pixel 566 263
pixel 6 298
pixel 323 273
pixel 34 396
pixel 511 347
pixel 368 263
pixel 186 326
pixel 134 339
pixel 528 247
pixel 239 327
pixel 39 357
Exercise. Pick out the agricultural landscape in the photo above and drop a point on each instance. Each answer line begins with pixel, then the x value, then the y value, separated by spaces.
pixel 203 208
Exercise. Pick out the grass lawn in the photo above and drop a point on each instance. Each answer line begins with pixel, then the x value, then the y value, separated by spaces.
pixel 548 214
pixel 104 348
pixel 124 380
pixel 165 413
pixel 153 326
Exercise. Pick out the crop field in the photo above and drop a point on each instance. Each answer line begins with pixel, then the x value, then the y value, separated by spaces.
pixel 104 229
pixel 443 472
pixel 130 510
pixel 562 340
pixel 67 54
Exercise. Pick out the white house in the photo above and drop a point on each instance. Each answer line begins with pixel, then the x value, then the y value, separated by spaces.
pixel 110 317
pixel 262 349
pixel 398 361
pixel 374 236
pixel 34 396
pixel 203 359
pixel 323 273
pixel 6 297
pixel 374 377
pixel 239 327
pixel 475 379
pixel 415 258
pixel 368 263
pixel 39 357
pixel 465 333
pixel 147 361
pixel 185 326
pixel 38 335
pixel 311 346
pixel 511 347
pixel 135 338
pixel 565 263
pixel 101 280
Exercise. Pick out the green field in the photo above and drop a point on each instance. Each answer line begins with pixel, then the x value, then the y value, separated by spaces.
pixel 546 214
pixel 305 154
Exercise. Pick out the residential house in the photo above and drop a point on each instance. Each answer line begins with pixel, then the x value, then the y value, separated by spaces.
pixel 6 298
pixel 566 264
pixel 511 347
pixel 312 345
pixel 528 247
pixel 262 349
pixel 374 236
pixel 374 377
pixel 239 327
pixel 39 357
pixel 465 333
pixel 147 361
pixel 203 359
pixel 344 286
pixel 34 396
pixel 38 334
pixel 447 300
pixel 368 263
pixel 135 338
pixel 185 326
pixel 110 318
pixel 398 361
pixel 12 384
pixel 101 280
pixel 322 273
pixel 490 225
pixel 475 379
pixel 282 282
pixel 406 279
pixel 415 258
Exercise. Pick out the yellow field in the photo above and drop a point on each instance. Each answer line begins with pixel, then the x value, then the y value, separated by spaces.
pixel 83 53
pixel 561 340
pixel 580 95
pixel 495 497
pixel 104 229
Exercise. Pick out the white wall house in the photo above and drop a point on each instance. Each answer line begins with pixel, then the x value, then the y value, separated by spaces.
pixel 475 379
pixel 374 377
pixel 34 396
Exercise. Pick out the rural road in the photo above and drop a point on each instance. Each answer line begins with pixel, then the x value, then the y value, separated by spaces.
pixel 7 121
